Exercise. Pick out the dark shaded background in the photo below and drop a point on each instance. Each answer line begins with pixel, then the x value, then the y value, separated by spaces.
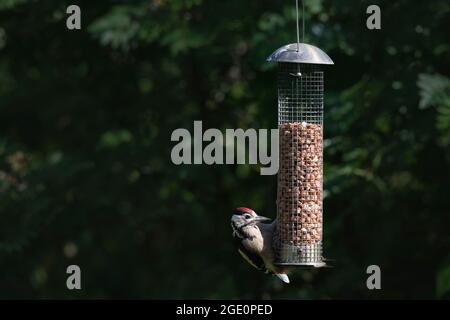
pixel 85 124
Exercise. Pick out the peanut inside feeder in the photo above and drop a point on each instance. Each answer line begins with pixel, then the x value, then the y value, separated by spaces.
pixel 298 237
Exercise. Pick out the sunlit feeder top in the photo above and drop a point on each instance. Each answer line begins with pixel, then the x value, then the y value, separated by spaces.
pixel 300 53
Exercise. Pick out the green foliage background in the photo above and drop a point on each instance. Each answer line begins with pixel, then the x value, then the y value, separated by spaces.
pixel 85 124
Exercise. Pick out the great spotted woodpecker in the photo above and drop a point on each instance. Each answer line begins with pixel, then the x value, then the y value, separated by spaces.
pixel 254 241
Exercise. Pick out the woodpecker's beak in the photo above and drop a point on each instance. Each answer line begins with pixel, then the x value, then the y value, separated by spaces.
pixel 261 218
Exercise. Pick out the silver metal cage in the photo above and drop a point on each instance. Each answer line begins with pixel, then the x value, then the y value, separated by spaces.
pixel 298 237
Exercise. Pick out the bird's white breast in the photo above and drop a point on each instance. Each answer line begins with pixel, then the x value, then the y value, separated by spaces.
pixel 253 241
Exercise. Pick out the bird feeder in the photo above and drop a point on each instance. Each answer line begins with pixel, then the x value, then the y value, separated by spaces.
pixel 300 85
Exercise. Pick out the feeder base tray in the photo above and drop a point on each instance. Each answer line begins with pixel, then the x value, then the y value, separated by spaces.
pixel 308 264
pixel 301 255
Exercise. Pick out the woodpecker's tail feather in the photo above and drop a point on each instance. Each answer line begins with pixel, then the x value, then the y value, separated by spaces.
pixel 283 277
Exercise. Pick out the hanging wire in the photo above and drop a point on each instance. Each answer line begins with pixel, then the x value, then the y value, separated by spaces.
pixel 303 20
pixel 298 28
pixel 298 24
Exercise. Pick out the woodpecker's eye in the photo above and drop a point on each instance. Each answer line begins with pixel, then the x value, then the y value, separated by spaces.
pixel 247 216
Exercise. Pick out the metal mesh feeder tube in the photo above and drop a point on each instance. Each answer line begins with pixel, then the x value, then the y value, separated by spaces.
pixel 300 86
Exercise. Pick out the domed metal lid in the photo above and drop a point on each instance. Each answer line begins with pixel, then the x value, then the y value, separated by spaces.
pixel 306 53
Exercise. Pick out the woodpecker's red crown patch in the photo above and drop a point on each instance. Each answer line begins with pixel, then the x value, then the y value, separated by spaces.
pixel 244 210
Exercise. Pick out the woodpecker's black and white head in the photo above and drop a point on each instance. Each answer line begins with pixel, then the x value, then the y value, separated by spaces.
pixel 245 217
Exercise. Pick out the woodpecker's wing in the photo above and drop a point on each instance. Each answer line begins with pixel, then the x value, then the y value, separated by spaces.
pixel 252 258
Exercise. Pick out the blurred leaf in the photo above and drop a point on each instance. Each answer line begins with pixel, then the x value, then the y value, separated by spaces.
pixel 10 4
pixel 118 28
pixel 443 283
pixel 435 91
pixel 113 139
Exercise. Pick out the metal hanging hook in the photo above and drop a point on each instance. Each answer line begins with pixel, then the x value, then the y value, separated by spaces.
pixel 298 24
